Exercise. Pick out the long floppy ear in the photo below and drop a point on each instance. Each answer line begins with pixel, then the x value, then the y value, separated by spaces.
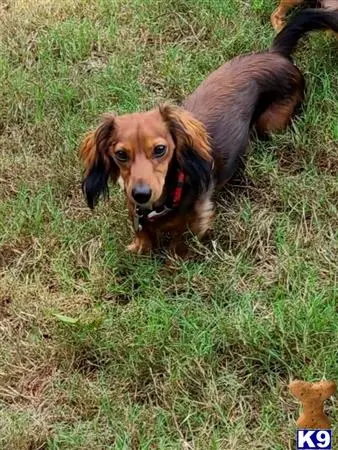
pixel 99 164
pixel 193 150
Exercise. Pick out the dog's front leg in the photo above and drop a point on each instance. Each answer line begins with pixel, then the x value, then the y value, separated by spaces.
pixel 203 217
pixel 141 244
pixel 199 222
pixel 178 246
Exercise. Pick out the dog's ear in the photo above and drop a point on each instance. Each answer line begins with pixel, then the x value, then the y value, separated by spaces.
pixel 193 151
pixel 99 164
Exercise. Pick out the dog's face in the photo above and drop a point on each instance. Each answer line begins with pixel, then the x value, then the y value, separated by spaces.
pixel 142 149
pixel 139 148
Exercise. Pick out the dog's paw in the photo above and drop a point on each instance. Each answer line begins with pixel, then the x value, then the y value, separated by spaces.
pixel 278 22
pixel 135 247
pixel 139 246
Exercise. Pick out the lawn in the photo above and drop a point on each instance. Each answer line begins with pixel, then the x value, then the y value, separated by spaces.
pixel 101 349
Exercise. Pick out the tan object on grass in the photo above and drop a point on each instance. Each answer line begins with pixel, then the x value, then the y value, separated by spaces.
pixel 312 396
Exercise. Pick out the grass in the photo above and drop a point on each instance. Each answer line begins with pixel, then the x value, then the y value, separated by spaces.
pixel 101 349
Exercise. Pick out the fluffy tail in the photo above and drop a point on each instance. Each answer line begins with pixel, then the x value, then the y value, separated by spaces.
pixel 308 20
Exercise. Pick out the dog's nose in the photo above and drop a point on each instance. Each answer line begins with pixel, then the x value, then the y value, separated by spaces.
pixel 141 193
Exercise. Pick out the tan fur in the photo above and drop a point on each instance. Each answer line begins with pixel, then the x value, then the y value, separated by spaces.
pixel 121 183
pixel 88 151
pixel 142 243
pixel 278 17
pixel 330 4
pixel 277 116
pixel 188 130
pixel 205 214
pixel 97 144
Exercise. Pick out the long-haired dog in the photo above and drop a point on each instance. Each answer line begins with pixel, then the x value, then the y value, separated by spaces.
pixel 278 17
pixel 171 159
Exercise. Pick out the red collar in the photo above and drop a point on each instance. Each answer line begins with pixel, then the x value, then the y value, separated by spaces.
pixel 142 215
pixel 178 190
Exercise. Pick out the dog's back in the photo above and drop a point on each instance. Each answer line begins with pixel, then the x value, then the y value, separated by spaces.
pixel 231 100
pixel 261 90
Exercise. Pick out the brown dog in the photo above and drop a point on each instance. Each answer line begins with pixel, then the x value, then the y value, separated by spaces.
pixel 171 159
pixel 278 17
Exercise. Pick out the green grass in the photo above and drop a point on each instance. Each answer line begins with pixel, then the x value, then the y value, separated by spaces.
pixel 101 349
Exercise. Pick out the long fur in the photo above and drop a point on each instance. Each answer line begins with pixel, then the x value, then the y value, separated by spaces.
pixel 99 164
pixel 193 152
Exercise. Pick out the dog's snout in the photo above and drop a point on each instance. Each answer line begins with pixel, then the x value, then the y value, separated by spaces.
pixel 141 193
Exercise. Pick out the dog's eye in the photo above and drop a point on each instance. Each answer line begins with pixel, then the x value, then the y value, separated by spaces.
pixel 159 151
pixel 121 155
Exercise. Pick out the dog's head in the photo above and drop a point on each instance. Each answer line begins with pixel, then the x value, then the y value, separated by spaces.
pixel 140 149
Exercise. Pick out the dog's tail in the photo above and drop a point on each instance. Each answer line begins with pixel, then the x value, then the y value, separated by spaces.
pixel 307 20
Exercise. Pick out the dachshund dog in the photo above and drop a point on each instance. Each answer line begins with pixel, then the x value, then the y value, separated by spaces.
pixel 278 17
pixel 171 159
